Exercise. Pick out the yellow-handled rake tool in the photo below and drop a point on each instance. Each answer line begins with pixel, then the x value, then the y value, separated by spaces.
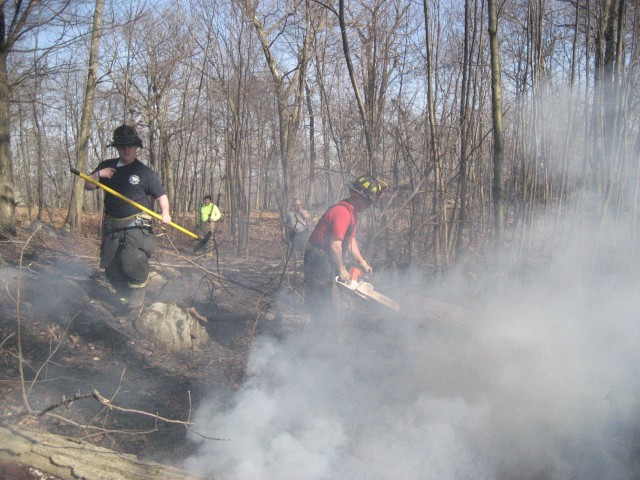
pixel 131 202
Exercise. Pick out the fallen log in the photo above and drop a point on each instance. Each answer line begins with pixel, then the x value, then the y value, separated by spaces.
pixel 66 458
pixel 441 317
pixel 441 312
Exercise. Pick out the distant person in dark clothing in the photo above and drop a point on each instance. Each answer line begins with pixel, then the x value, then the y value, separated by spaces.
pixel 128 240
pixel 296 228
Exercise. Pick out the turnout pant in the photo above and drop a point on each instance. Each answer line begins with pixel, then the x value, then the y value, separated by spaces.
pixel 320 296
pixel 125 253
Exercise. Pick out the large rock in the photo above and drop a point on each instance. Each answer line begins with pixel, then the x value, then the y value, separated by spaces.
pixel 167 326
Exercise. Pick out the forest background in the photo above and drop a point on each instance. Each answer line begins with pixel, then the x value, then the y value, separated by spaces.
pixel 478 129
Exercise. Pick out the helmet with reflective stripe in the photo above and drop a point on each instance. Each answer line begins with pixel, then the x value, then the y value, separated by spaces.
pixel 126 135
pixel 369 187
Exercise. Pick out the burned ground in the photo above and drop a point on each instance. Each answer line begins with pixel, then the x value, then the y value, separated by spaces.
pixel 523 384
pixel 56 306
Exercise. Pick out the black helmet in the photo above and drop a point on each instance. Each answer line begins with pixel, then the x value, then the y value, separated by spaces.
pixel 369 187
pixel 125 135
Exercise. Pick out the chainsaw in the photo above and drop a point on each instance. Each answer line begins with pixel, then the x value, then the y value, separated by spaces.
pixel 365 290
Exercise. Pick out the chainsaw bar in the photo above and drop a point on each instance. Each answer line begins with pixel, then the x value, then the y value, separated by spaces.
pixel 366 291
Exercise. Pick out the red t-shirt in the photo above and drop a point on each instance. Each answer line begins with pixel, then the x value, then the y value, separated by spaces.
pixel 335 221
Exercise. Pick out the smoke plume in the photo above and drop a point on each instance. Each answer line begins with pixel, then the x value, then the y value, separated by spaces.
pixel 538 381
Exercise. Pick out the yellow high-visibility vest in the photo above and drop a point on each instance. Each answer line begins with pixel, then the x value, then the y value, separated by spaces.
pixel 210 211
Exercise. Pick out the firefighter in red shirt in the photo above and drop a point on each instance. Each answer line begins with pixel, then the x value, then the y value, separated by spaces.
pixel 334 235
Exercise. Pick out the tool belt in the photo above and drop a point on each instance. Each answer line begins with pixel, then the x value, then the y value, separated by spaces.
pixel 139 220
pixel 137 230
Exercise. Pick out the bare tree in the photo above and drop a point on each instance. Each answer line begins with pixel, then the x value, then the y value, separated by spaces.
pixel 437 201
pixel 74 217
pixel 17 22
pixel 498 133
pixel 464 121
pixel 7 194
pixel 39 136
pixel 222 93
pixel 289 95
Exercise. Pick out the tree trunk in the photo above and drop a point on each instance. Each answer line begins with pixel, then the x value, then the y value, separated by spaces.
pixel 464 138
pixel 289 109
pixel 437 200
pixel 74 217
pixel 167 167
pixel 70 459
pixel 39 159
pixel 498 132
pixel 368 167
pixel 310 191
pixel 7 193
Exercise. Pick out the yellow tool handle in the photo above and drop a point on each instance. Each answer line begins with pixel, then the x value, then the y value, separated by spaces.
pixel 131 202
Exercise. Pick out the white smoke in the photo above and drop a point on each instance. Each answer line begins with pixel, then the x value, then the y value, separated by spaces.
pixel 540 380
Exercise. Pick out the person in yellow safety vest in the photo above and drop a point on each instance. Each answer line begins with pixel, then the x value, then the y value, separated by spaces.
pixel 207 215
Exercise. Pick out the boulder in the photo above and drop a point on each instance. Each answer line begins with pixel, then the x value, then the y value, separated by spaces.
pixel 169 327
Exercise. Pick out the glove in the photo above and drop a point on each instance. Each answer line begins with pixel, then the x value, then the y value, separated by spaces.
pixel 366 267
pixel 344 274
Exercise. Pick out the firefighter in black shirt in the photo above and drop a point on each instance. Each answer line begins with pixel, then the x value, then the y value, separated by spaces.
pixel 128 240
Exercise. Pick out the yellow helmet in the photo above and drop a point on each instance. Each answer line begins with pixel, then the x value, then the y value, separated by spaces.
pixel 371 188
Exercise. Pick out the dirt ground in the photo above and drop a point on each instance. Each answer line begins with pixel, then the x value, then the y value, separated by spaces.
pixel 58 314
